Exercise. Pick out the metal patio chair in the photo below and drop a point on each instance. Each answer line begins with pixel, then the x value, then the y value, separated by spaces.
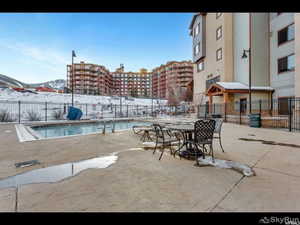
pixel 203 135
pixel 144 132
pixel 164 138
pixel 217 132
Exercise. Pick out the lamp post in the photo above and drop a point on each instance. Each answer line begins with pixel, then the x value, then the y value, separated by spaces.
pixel 243 57
pixel 151 98
pixel 73 55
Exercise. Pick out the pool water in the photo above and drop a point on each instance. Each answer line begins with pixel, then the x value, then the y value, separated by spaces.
pixel 84 128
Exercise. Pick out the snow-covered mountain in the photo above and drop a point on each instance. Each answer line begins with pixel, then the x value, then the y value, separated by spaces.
pixel 58 84
pixel 7 81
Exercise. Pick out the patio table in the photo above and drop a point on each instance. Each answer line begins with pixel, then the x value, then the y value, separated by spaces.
pixel 187 131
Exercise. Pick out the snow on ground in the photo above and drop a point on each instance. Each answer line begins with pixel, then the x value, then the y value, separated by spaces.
pixel 12 95
pixel 93 107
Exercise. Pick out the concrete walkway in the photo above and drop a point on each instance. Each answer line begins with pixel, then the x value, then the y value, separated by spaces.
pixel 139 182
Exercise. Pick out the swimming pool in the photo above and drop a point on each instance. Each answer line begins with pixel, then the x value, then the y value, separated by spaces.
pixel 61 130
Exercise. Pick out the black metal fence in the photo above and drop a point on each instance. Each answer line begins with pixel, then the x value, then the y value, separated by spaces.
pixel 21 111
pixel 277 113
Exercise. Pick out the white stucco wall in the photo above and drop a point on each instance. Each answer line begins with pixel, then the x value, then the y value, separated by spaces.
pixel 260 49
pixel 283 83
pixel 241 42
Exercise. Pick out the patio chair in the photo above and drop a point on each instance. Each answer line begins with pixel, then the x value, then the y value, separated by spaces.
pixel 144 131
pixel 217 132
pixel 164 138
pixel 203 135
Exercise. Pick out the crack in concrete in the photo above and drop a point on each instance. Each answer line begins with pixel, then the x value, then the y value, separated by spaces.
pixel 280 172
pixel 227 193
pixel 16 203
pixel 237 183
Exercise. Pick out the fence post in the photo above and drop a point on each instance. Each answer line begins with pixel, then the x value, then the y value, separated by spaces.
pixel 19 103
pixel 290 114
pixel 260 106
pixel 45 111
pixel 225 112
pixel 113 126
pixel 86 110
pixel 121 113
pixel 214 108
pixel 137 110
pixel 240 114
pixel 104 127
pixel 127 111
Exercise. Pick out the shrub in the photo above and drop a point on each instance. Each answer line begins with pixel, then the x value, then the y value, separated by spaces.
pixel 58 114
pixel 5 116
pixel 33 116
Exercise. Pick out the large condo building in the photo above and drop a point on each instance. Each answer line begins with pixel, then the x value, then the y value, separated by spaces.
pixel 89 79
pixel 97 80
pixel 221 44
pixel 132 83
pixel 171 77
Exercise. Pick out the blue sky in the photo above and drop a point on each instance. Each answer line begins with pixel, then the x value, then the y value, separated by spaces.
pixel 36 47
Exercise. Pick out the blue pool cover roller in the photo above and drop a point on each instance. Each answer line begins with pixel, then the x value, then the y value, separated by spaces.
pixel 74 113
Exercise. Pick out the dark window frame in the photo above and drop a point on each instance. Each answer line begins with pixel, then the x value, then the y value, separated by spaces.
pixel 287 41
pixel 219 28
pixel 197 65
pixel 197 53
pixel 211 81
pixel 219 49
pixel 195 28
pixel 281 110
pixel 287 63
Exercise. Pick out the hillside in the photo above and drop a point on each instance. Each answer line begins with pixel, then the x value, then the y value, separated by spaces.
pixel 6 81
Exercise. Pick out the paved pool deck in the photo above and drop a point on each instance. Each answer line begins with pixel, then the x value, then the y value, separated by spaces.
pixel 139 182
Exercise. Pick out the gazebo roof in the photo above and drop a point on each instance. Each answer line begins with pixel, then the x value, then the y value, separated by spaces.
pixel 235 87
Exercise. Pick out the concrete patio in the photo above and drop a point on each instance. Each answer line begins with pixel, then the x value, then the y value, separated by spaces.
pixel 139 182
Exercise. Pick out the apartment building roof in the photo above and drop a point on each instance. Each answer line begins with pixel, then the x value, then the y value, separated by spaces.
pixel 193 20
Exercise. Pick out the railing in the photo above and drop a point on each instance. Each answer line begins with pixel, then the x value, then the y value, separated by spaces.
pixel 276 113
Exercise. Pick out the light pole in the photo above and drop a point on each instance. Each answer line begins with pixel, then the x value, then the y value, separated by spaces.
pixel 151 98
pixel 243 57
pixel 73 55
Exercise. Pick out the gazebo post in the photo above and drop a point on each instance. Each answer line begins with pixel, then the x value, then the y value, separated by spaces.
pixel 225 98
pixel 210 102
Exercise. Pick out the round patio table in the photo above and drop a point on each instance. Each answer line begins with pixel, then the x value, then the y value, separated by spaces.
pixel 187 131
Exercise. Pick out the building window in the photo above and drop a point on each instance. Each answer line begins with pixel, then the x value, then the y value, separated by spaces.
pixel 219 54
pixel 286 34
pixel 212 81
pixel 218 15
pixel 286 64
pixel 197 29
pixel 243 105
pixel 200 66
pixel 283 105
pixel 219 33
pixel 197 49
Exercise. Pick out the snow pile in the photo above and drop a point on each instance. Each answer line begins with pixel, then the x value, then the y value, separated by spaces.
pixel 244 169
pixel 7 94
pixel 240 86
